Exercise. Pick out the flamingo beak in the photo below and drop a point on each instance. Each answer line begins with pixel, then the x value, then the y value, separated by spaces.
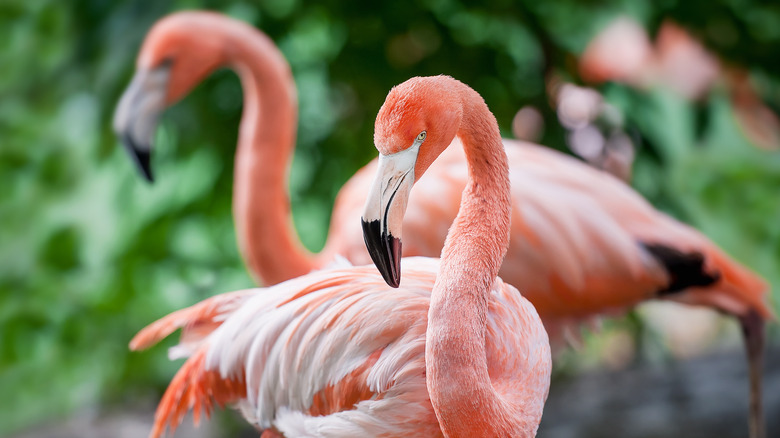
pixel 137 114
pixel 384 212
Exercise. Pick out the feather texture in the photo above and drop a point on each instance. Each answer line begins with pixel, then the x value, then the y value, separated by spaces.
pixel 337 353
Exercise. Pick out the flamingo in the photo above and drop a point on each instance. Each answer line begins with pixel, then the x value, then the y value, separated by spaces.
pixel 454 351
pixel 583 243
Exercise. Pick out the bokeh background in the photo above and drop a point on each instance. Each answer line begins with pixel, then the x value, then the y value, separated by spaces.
pixel 90 253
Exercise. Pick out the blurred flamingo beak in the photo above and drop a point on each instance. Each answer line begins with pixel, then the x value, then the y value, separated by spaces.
pixel 384 212
pixel 138 112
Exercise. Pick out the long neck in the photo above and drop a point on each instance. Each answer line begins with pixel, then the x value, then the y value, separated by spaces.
pixel 464 399
pixel 261 206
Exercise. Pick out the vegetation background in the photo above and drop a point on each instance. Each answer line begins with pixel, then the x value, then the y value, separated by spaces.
pixel 90 253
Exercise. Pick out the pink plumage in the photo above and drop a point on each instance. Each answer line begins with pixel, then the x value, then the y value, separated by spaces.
pixel 301 349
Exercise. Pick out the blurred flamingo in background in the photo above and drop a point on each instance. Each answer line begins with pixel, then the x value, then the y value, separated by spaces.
pixel 339 353
pixel 623 52
pixel 178 53
pixel 583 243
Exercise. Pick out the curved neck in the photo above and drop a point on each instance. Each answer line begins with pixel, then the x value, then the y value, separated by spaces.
pixel 261 206
pixel 465 400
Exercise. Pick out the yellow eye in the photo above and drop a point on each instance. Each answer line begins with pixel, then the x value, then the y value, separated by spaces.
pixel 421 137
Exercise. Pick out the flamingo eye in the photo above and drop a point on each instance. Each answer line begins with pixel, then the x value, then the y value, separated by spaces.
pixel 165 63
pixel 421 136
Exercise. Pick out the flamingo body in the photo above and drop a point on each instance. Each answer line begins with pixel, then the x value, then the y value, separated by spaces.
pixel 580 238
pixel 335 353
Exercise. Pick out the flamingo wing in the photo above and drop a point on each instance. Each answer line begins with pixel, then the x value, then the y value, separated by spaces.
pixel 337 353
pixel 333 353
pixel 196 322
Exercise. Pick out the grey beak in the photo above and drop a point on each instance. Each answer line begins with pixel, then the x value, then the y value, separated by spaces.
pixel 137 114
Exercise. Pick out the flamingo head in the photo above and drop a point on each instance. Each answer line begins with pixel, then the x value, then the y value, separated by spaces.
pixel 177 54
pixel 418 120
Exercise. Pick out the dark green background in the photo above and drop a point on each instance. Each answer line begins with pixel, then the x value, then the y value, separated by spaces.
pixel 89 253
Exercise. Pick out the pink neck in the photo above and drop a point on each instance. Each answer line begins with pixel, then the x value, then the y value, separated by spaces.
pixel 465 400
pixel 261 206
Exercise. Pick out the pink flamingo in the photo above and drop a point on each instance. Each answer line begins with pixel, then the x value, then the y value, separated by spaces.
pixel 582 243
pixel 338 353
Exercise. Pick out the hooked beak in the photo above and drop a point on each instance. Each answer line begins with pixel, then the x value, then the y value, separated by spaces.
pixel 138 112
pixel 384 212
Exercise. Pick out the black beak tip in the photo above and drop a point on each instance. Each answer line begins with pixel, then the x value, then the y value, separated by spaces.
pixel 141 156
pixel 385 251
pixel 143 160
pixel 393 279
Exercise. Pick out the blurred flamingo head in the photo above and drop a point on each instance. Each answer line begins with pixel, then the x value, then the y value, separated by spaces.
pixel 187 47
pixel 178 53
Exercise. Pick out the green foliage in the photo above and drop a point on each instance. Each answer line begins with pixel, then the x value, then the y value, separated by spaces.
pixel 90 253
